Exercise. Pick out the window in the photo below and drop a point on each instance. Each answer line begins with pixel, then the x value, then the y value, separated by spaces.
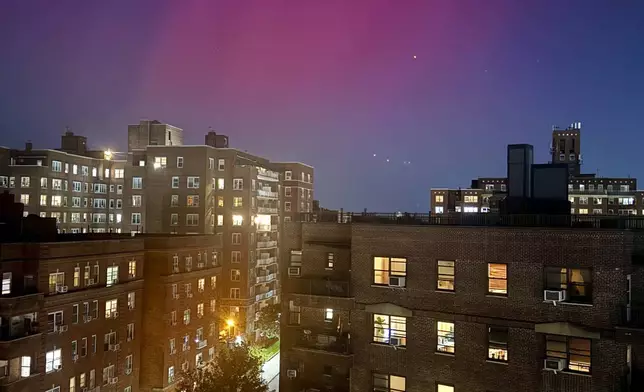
pixel 53 360
pixel 439 209
pixel 193 182
pixel 236 238
pixel 577 283
pixel 25 366
pixel 75 311
pixel 136 201
pixel 288 175
pixel 24 199
pixel 137 183
pixel 112 275
pixel 201 285
pixel 497 344
pixel 235 256
pixel 111 308
pixel 238 220
pixel 192 219
pixel 200 311
pixel 131 268
pixel 287 206
pixel 389 271
pixel 390 329
pixel 444 388
pixel 130 332
pixel 119 173
pixel 235 275
pixel 220 184
pixel 131 300
pixel 221 164
pixel 328 314
pixel 237 202
pixel 471 199
pixel 388 383
pixel 25 182
pixel 213 305
pixel 186 316
pixel 174 201
pixel 445 337
pixel 238 184
pixel 234 293
pixel 136 218
pixel 56 166
pixel 160 162
pixel 213 282
pixel 330 260
pixel 83 347
pixel 220 220
pixel 445 275
pixel 6 283
pixel 497 279
pixel 188 265
pixel 170 374
pixel 576 352
pixel 175 182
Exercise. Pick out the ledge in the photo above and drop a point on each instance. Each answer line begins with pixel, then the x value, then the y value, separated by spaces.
pixel 388 345
pixel 496 362
pixel 451 355
pixel 496 296
pixel 445 291
pixel 569 304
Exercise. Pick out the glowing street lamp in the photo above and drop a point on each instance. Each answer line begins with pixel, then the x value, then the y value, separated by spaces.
pixel 231 324
pixel 107 154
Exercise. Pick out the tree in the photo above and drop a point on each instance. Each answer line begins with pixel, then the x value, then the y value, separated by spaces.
pixel 234 369
pixel 268 322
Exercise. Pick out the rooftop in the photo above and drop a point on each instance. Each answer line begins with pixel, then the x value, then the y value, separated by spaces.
pixel 615 222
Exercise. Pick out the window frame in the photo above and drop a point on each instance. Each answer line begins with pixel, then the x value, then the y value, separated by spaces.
pixel 445 277
pixel 491 279
pixel 445 334
pixel 388 271
pixel 387 378
pixel 494 345
pixel 549 271
pixel 567 339
pixel 386 325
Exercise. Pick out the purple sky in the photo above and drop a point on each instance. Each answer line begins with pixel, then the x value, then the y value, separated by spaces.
pixel 332 82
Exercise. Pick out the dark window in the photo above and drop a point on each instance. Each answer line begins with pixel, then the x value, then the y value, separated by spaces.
pixel 497 344
pixel 575 352
pixel 328 370
pixel 388 383
pixel 577 282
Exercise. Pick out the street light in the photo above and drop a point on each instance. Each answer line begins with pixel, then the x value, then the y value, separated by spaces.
pixel 231 324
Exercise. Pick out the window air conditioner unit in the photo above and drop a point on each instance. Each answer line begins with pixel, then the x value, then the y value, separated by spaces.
pixel 291 373
pixel 91 281
pixel 131 307
pixel 189 295
pixel 61 289
pixel 395 341
pixel 554 364
pixel 115 314
pixel 200 265
pixel 114 380
pixel 554 295
pixel 396 281
pixel 62 328
pixel 87 319
pixel 58 367
pixel 75 357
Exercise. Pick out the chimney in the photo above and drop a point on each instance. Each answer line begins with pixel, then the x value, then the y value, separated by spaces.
pixel 29 146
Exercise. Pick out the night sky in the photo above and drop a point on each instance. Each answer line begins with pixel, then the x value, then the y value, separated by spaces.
pixel 333 82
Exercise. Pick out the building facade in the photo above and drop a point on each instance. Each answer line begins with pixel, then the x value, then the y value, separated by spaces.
pixel 75 309
pixel 389 304
pixel 298 189
pixel 588 193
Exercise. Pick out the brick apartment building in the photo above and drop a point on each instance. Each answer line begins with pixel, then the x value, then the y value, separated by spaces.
pixel 82 189
pixel 75 308
pixel 161 185
pixel 420 304
pixel 588 193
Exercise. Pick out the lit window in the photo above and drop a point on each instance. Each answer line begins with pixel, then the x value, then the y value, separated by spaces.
pixel 111 308
pixel 25 366
pixel 330 260
pixel 445 275
pixel 328 314
pixel 53 360
pixel 439 198
pixel 238 220
pixel 112 275
pixel 497 278
pixel 497 344
pixel 137 183
pixel 235 275
pixel 131 268
pixel 220 183
pixel 192 201
pixel 160 162
pixel 237 201
pixel 445 337
pixel 389 271
pixel 288 175
pixel 471 199
pixel 388 383
pixel 444 388
pixel 220 220
pixel 6 283
pixel 170 374
pixel 439 209
pixel 576 352
pixel 390 329
pixel 24 199
pixel 576 282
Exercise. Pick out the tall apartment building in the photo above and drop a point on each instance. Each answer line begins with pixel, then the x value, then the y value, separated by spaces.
pixel 298 189
pixel 77 315
pixel 81 189
pixel 382 303
pixel 588 193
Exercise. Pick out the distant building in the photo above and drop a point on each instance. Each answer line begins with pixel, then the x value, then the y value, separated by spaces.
pixel 587 193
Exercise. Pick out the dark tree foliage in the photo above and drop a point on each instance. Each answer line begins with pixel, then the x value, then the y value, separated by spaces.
pixel 233 370
pixel 268 323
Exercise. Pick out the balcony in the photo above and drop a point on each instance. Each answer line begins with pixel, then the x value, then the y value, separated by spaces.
pixel 267 210
pixel 267 175
pixel 267 194
pixel 266 228
pixel 266 244
pixel 25 329
pixel 319 286
pixel 265 279
pixel 266 261
pixel 323 340
pixel 266 295
pixel 27 302
pixel 631 328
